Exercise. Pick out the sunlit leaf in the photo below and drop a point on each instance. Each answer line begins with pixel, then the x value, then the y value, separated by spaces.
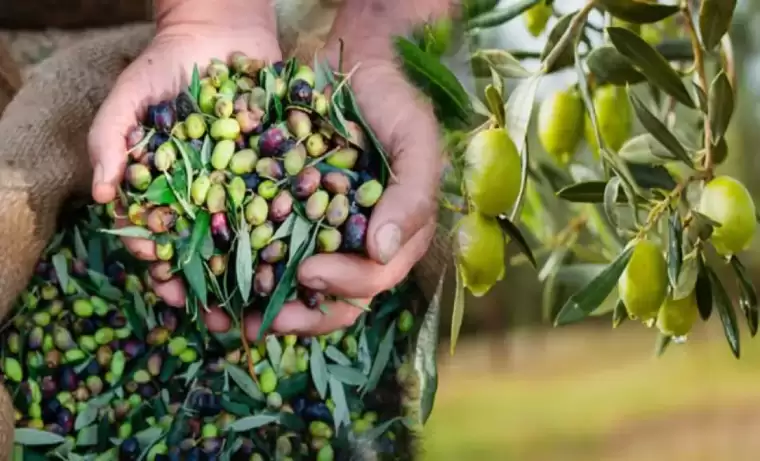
pixel 714 20
pixel 502 62
pixel 720 105
pixel 658 129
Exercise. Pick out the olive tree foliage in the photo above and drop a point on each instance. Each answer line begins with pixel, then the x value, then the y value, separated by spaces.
pixel 618 199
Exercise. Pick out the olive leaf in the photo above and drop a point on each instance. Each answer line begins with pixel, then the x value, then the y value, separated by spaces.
pixel 495 104
pixel 589 298
pixel 130 232
pixel 701 97
pixel 652 177
pixel 500 61
pixel 658 129
pixel 714 20
pixel 474 8
pixel 661 344
pixel 638 12
pixel 195 84
pixel 675 248
pixel 720 106
pixel 450 99
pixel 516 236
pixel 748 295
pixel 609 66
pixel 495 18
pixel 586 192
pixel 567 57
pixel 244 261
pixel 651 63
pixel 726 312
pixel 687 278
pixel 519 111
pixel 457 314
pixel 33 437
pixel 318 368
pixel 253 422
pixel 645 149
pixel 159 192
pixel 382 357
pixel 611 197
pixel 426 351
pixel 620 314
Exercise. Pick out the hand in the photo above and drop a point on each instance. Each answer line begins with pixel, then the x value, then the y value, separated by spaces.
pixel 401 226
pixel 159 73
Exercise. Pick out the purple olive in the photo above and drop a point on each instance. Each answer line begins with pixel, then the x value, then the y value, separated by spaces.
pixel 268 167
pixel 162 116
pixel 311 298
pixel 355 233
pixel 161 219
pixel 220 230
pixel 263 281
pixel 306 183
pixel 249 121
pixel 336 182
pixel 300 92
pixel 281 207
pixel 271 142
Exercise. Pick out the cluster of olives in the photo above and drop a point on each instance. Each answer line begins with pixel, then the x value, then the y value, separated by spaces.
pixel 99 367
pixel 252 152
pixel 643 286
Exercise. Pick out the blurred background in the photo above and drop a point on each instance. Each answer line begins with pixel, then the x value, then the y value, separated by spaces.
pixel 518 389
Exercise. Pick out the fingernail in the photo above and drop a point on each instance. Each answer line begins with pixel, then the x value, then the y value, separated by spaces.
pixel 97 176
pixel 388 240
pixel 316 284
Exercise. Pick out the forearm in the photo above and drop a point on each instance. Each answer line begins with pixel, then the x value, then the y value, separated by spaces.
pixel 229 13
pixel 367 26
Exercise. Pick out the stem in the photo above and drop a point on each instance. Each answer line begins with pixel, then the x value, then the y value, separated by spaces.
pixel 575 27
pixel 664 205
pixel 699 66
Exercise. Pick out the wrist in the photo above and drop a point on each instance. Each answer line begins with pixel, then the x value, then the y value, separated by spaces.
pixel 367 27
pixel 227 14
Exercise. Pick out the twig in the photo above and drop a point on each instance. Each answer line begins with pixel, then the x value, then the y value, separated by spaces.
pixel 699 67
pixel 576 25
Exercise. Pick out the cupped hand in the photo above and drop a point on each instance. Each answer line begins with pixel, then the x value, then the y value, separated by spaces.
pixel 401 226
pixel 161 72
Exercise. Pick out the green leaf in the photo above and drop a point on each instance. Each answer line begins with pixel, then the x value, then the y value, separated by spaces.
pixel 318 368
pixel 714 20
pixel 80 249
pixel 341 413
pixel 448 95
pixel 620 314
pixel 720 106
pixel 381 359
pixel 590 297
pixel 244 381
pixel 206 151
pixel 611 197
pixel 658 129
pixel 675 248
pixel 61 267
pixel 584 192
pixel 347 375
pixel 130 232
pixel 645 149
pixel 188 169
pixel 638 12
pixel 244 260
pixel 87 436
pixel 519 111
pixel 159 192
pixel 495 18
pixel 495 104
pixel 87 417
pixel 253 422
pixel 302 228
pixel 274 351
pixel 35 437
pixel 426 351
pixel 748 295
pixel 281 292
pixel 195 83
pixel 661 344
pixel 474 8
pixel 567 58
pixel 687 278
pixel 457 314
pixel 200 231
pixel 337 356
pixel 609 66
pixel 516 236
pixel 703 290
pixel 506 65
pixel 726 312
pixel 196 277
pixel 652 177
pixel 651 63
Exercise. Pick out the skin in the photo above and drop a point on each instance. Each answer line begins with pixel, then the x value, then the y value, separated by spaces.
pixel 403 222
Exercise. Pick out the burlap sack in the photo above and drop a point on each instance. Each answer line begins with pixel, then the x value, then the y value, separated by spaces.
pixel 44 161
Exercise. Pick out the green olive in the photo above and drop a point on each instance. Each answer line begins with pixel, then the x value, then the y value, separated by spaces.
pixel 726 201
pixel 479 247
pixel 677 317
pixel 560 124
pixel 492 172
pixel 643 285
pixel 614 117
